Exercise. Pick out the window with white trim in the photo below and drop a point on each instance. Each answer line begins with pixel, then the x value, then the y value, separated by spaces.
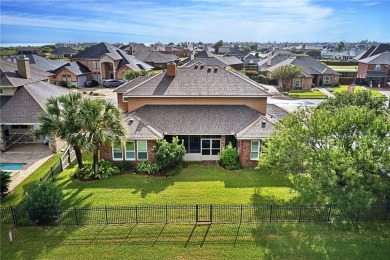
pixel 297 83
pixel 95 64
pixel 142 150
pixel 67 79
pixel 125 99
pixel 377 67
pixel 327 80
pixel 117 152
pixel 130 151
pixel 255 149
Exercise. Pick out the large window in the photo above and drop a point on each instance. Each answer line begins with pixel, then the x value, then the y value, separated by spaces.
pixel 211 146
pixel 117 152
pixel 95 65
pixel 142 150
pixel 255 149
pixel 130 151
pixel 67 79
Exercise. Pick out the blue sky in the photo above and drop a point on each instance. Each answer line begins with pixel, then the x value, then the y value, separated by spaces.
pixel 49 21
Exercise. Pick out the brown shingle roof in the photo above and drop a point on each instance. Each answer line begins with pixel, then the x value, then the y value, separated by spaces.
pixel 10 77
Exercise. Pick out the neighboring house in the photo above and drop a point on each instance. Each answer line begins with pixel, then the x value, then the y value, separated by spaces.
pixel 373 50
pixel 73 73
pixel 106 61
pixel 313 72
pixel 41 63
pixel 154 58
pixel 211 59
pixel 375 70
pixel 29 50
pixel 344 55
pixel 236 53
pixel 274 57
pixel 207 107
pixel 63 52
pixel 251 62
pixel 225 48
pixel 23 93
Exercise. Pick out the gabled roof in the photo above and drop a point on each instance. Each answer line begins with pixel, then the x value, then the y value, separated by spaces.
pixel 309 65
pixel 132 62
pixel 258 129
pixel 237 53
pixel 64 50
pixel 211 61
pixel 145 54
pixel 10 77
pixel 277 112
pixel 276 58
pixel 75 67
pixel 381 58
pixel 374 50
pixel 250 56
pixel 196 80
pixel 44 64
pixel 97 51
pixel 27 102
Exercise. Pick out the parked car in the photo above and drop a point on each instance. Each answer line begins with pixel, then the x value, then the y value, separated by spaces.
pixel 112 83
pixel 90 83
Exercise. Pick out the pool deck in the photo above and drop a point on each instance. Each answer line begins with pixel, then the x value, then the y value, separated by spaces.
pixel 34 155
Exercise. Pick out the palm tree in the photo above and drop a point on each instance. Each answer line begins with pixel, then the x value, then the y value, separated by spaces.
pixel 62 120
pixel 102 124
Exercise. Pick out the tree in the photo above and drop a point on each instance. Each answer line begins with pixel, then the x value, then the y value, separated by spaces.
pixel 61 119
pixel 101 124
pixel 246 48
pixel 169 155
pixel 5 180
pixel 217 45
pixel 42 202
pixel 340 46
pixel 314 53
pixel 335 154
pixel 285 73
pixel 132 74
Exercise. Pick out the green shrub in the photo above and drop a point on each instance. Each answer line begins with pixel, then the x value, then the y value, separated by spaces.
pixel 42 202
pixel 85 173
pixel 313 85
pixel 73 86
pixel 5 180
pixel 169 155
pixel 126 166
pixel 96 94
pixel 229 158
pixel 106 169
pixel 132 74
pixel 63 84
pixel 147 168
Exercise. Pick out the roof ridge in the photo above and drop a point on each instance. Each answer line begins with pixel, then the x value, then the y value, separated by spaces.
pixel 152 129
pixel 33 97
pixel 143 82
pixel 255 84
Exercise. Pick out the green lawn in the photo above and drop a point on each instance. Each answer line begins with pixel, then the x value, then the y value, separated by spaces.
pixel 351 67
pixel 223 241
pixel 306 94
pixel 342 88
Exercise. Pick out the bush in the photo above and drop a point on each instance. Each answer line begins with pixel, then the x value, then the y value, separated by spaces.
pixel 126 166
pixel 147 168
pixel 132 74
pixel 229 158
pixel 106 169
pixel 313 85
pixel 64 84
pixel 5 180
pixel 169 155
pixel 42 202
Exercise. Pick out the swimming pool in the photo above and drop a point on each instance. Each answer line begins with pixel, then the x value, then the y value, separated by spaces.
pixel 11 166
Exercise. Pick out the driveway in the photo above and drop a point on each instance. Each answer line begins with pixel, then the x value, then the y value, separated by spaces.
pixel 106 93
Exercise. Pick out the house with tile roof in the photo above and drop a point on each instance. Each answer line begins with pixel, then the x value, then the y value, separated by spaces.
pixel 105 61
pixel 205 106
pixel 313 72
pixel 23 93
pixel 375 70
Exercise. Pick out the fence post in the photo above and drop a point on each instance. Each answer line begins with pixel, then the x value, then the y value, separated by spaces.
pixel 106 215
pixel 136 214
pixel 270 214
pixel 196 213
pixel 75 216
pixel 300 214
pixel 166 214
pixel 211 213
pixel 51 172
pixel 329 212
pixel 69 159
pixel 62 168
pixel 240 213
pixel 13 215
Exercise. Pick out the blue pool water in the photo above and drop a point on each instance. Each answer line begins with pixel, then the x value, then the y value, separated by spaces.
pixel 11 166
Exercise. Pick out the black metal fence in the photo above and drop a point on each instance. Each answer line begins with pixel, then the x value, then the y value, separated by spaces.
pixel 197 214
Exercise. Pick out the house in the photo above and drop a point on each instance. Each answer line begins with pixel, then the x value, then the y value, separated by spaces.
pixel 225 48
pixel 211 59
pixel 206 106
pixel 23 93
pixel 236 53
pixel 63 52
pixel 73 73
pixel 272 58
pixel 106 61
pixel 375 70
pixel 313 72
pixel 154 58
pixel 41 63
pixel 251 62
pixel 373 50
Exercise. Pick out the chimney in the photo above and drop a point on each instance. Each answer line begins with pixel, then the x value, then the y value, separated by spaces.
pixel 269 60
pixel 23 66
pixel 171 69
pixel 263 123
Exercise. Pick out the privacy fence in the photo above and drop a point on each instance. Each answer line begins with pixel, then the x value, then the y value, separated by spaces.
pixel 65 160
pixel 172 214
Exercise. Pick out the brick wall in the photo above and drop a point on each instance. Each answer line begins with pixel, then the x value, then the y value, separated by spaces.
pixel 306 82
pixel 245 154
pixel 106 153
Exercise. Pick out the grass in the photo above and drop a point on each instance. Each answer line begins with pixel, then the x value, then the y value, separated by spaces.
pixel 222 241
pixel 16 196
pixel 342 88
pixel 306 94
pixel 351 67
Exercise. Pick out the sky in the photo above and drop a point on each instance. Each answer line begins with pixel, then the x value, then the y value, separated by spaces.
pixel 149 21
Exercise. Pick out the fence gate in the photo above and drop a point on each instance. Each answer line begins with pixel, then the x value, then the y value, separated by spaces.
pixel 204 213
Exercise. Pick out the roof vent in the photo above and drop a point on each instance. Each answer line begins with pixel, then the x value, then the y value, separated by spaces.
pixel 196 66
pixel 201 67
pixel 263 124
pixel 131 120
pixel 215 69
pixel 209 69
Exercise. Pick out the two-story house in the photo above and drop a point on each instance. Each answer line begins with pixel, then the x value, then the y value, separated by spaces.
pixel 206 106
pixel 375 70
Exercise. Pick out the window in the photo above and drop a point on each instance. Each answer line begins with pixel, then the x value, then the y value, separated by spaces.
pixel 117 152
pixel 255 149
pixel 67 79
pixel 142 150
pixel 130 151
pixel 377 67
pixel 125 99
pixel 297 83
pixel 19 126
pixel 95 64
pixel 326 80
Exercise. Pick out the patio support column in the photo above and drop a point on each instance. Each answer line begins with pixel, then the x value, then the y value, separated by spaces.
pixel 2 138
